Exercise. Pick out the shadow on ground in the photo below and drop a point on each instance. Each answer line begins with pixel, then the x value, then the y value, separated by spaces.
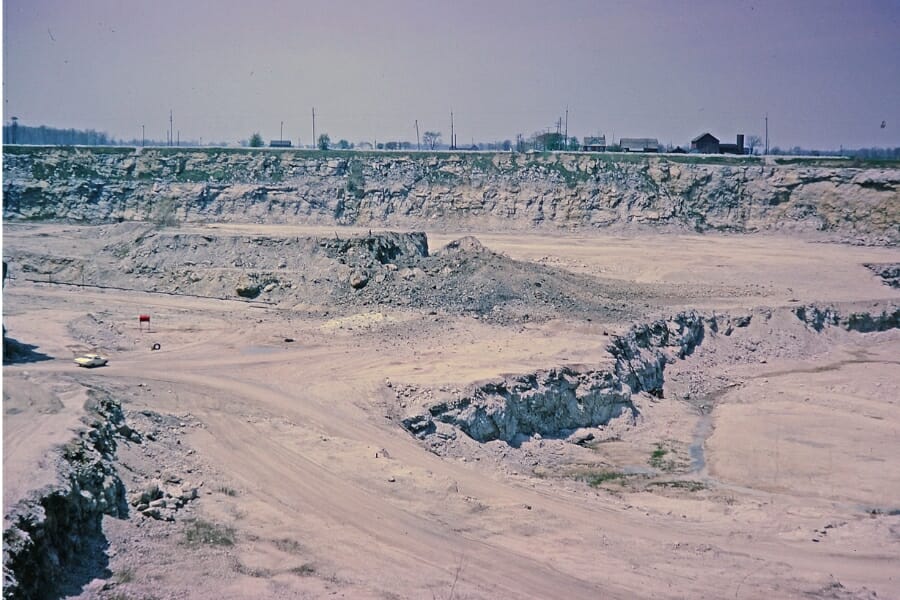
pixel 15 352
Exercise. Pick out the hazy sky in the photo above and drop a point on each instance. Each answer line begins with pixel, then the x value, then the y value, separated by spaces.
pixel 827 72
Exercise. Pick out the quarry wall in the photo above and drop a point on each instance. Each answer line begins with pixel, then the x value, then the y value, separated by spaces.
pixel 849 201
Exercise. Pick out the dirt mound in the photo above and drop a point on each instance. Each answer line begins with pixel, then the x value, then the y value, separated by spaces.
pixel 340 273
pixel 467 278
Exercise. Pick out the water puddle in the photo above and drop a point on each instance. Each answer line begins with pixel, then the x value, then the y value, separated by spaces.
pixel 702 431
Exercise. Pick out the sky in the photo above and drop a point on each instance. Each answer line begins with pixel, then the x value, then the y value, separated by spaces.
pixel 827 72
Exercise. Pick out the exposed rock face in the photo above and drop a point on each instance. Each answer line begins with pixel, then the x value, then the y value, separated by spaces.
pixel 557 400
pixel 818 317
pixel 487 190
pixel 544 402
pixel 889 272
pixel 383 248
pixel 642 353
pixel 58 526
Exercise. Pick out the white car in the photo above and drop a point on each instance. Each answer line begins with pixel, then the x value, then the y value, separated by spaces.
pixel 90 361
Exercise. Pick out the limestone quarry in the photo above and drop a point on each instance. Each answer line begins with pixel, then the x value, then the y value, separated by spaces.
pixel 476 191
pixel 449 375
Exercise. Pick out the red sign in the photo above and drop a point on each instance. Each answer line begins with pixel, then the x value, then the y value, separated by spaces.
pixel 144 318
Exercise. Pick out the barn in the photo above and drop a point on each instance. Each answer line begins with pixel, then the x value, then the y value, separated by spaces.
pixel 705 143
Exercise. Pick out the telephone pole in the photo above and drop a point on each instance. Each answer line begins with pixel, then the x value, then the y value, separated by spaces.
pixel 281 133
pixel 566 145
pixel 143 137
pixel 418 145
pixel 314 126
pixel 452 136
pixel 767 134
pixel 171 129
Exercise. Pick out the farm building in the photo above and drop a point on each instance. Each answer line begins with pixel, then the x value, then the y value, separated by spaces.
pixel 707 143
pixel 736 148
pixel 594 144
pixel 639 144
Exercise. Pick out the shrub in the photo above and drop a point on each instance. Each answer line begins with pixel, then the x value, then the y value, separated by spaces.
pixel 203 532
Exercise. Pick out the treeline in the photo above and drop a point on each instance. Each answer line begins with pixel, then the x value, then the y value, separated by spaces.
pixel 51 136
pixel 42 135
pixel 863 153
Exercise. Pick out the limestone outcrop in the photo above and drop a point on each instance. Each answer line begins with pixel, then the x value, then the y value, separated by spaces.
pixel 846 200
pixel 556 401
pixel 54 528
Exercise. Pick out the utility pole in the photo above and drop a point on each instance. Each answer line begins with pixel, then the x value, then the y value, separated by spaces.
pixel 281 133
pixel 178 139
pixel 418 145
pixel 314 127
pixel 567 128
pixel 767 134
pixel 143 137
pixel 452 136
pixel 171 129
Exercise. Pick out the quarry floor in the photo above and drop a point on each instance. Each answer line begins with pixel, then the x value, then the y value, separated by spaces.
pixel 784 482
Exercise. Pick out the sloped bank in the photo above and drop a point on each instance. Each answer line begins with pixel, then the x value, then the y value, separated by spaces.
pixel 55 533
pixel 551 401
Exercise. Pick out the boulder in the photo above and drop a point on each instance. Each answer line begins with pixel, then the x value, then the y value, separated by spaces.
pixel 358 279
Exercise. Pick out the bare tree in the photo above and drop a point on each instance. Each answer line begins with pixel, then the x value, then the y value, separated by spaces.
pixel 752 142
pixel 431 138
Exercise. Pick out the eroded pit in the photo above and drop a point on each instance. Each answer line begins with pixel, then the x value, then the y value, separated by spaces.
pixel 643 418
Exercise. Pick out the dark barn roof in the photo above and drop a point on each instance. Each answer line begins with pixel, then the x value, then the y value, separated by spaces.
pixel 704 135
